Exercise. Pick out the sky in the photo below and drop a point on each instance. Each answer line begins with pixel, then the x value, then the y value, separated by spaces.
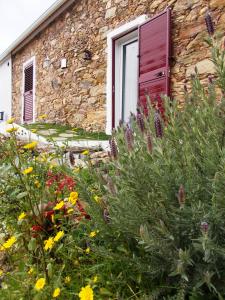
pixel 16 16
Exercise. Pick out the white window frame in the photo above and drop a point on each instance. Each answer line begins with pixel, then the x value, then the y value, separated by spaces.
pixel 32 61
pixel 116 33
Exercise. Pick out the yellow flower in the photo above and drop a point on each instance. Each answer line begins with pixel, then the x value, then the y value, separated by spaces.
pixel 30 146
pixel 27 171
pixel 56 293
pixel 73 197
pixel 85 152
pixel 76 170
pixel 58 236
pixel 31 271
pixel 88 250
pixel 95 279
pixel 92 234
pixel 12 129
pixel 40 283
pixel 37 183
pixel 97 198
pixel 49 243
pixel 86 293
pixel 10 121
pixel 42 117
pixel 22 216
pixel 1 272
pixel 74 129
pixel 8 244
pixel 59 205
pixel 34 130
pixel 70 211
pixel 67 279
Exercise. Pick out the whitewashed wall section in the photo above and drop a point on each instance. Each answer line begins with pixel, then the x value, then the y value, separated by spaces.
pixel 6 87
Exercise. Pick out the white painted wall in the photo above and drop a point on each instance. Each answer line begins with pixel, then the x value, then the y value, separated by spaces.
pixel 6 87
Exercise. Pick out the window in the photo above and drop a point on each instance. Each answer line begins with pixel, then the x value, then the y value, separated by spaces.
pixel 28 91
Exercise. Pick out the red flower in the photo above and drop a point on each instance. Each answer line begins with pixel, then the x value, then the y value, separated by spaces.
pixel 37 228
pixel 62 181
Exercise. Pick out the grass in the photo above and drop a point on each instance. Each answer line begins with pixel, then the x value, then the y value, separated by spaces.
pixel 79 133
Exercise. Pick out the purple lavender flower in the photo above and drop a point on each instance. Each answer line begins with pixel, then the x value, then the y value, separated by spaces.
pixel 204 227
pixel 209 24
pixel 181 195
pixel 129 138
pixel 149 142
pixel 113 147
pixel 106 215
pixel 140 122
pixel 158 125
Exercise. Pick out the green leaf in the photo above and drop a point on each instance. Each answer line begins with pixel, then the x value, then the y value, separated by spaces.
pixel 21 195
pixel 50 270
pixel 32 244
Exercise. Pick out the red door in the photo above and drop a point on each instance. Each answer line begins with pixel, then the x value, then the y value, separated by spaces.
pixel 154 54
pixel 28 94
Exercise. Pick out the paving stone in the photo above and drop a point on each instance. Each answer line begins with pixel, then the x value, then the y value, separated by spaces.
pixel 66 135
pixel 59 139
pixel 47 132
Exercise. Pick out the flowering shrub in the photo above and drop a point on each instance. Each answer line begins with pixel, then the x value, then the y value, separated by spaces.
pixel 46 234
pixel 160 201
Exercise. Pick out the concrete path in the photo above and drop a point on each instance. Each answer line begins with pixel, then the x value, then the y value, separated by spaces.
pixel 26 135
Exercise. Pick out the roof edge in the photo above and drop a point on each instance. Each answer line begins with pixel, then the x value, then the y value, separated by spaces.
pixel 39 25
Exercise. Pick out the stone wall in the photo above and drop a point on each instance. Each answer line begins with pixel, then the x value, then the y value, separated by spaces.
pixel 77 94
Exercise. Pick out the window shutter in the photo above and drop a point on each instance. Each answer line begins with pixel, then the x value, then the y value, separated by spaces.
pixel 28 94
pixel 154 53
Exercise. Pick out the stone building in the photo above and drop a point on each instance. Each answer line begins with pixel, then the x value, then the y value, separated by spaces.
pixel 86 62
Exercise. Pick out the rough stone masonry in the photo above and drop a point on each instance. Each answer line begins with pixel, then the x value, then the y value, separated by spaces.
pixel 77 94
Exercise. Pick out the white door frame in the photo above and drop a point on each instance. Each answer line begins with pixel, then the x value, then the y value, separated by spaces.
pixel 116 33
pixel 30 61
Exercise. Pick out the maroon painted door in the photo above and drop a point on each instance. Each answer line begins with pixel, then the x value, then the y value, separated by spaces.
pixel 154 54
pixel 28 94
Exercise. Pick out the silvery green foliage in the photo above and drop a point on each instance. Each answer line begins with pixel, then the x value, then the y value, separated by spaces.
pixel 169 205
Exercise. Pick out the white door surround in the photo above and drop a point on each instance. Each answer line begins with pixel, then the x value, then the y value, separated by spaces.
pixel 115 34
pixel 31 61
